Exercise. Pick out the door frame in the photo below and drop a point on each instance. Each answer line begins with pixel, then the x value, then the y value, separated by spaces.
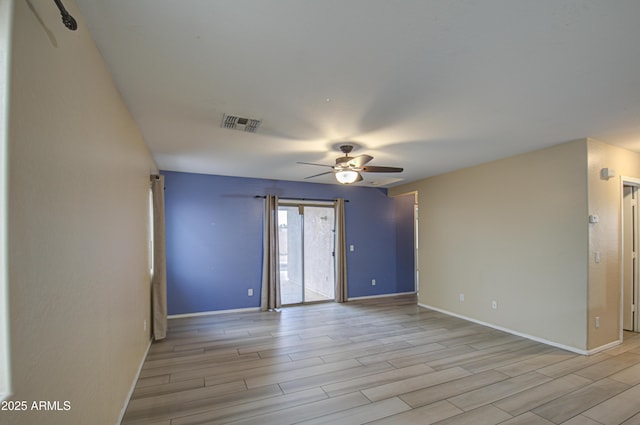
pixel 416 239
pixel 627 181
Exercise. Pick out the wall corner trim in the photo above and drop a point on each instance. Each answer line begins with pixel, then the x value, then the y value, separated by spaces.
pixel 520 334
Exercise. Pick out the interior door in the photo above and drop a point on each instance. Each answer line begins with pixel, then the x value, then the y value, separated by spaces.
pixel 630 260
pixel 307 268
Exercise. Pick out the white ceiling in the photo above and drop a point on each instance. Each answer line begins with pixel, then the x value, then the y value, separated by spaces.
pixel 427 85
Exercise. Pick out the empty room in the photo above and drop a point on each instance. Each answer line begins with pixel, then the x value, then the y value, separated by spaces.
pixel 305 212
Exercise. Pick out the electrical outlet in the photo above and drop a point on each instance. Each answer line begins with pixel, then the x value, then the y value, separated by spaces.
pixel 373 282
pixel 250 292
pixel 494 304
pixel 461 297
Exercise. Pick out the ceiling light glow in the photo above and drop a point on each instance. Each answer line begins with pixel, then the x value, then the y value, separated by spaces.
pixel 347 176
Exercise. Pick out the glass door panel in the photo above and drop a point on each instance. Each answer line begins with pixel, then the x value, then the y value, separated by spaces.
pixel 318 253
pixel 290 241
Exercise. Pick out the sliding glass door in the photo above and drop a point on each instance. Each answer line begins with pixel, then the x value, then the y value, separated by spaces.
pixel 306 253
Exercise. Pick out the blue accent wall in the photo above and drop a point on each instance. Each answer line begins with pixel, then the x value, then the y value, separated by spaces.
pixel 214 238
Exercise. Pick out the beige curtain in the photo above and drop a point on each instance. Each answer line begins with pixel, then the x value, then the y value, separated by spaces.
pixel 159 281
pixel 270 299
pixel 342 294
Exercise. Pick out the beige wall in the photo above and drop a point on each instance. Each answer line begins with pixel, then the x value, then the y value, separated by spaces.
pixel 78 225
pixel 605 238
pixel 514 231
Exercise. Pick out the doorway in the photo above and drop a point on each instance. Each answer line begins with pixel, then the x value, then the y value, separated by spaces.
pixel 630 272
pixel 306 239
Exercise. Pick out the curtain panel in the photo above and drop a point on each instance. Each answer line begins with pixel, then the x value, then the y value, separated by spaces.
pixel 270 294
pixel 342 292
pixel 159 280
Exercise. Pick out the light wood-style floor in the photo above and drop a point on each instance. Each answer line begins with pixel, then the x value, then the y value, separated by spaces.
pixel 379 361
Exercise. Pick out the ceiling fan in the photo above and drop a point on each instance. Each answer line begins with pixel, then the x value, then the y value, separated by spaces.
pixel 348 169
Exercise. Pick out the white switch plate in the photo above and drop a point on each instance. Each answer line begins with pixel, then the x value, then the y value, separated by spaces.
pixel 373 282
pixel 250 292
pixel 351 248
pixel 461 297
pixel 597 256
pixel 494 304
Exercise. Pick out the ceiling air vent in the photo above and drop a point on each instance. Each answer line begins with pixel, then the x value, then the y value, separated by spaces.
pixel 236 122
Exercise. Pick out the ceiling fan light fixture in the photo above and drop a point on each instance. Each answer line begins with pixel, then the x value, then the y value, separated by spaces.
pixel 346 176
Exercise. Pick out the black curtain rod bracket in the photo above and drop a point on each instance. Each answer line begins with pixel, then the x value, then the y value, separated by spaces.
pixel 67 19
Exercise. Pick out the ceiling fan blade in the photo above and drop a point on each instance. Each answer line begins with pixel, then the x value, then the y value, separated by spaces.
pixel 311 163
pixel 359 179
pixel 321 174
pixel 374 169
pixel 359 161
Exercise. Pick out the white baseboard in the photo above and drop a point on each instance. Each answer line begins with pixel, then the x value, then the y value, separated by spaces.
pixel 210 313
pixel 135 381
pixel 523 335
pixel 604 347
pixel 381 296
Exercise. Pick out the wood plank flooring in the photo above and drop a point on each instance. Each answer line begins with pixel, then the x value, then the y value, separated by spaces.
pixel 376 361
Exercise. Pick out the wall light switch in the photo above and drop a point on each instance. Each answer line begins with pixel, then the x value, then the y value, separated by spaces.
pixel 461 297
pixel 494 304
pixel 597 256
pixel 597 322
pixel 250 292
pixel 351 248
pixel 373 282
